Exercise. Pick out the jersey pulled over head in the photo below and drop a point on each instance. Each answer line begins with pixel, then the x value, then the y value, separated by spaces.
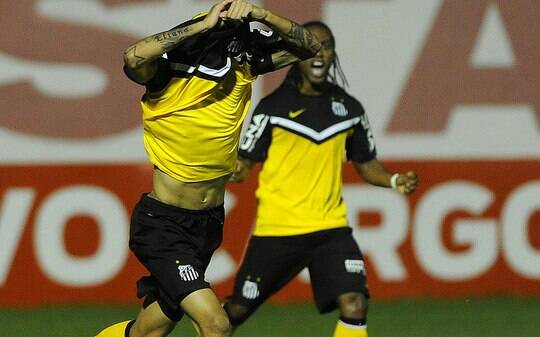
pixel 247 41
pixel 199 96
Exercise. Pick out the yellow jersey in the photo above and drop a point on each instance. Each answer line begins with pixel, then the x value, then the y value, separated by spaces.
pixel 192 129
pixel 195 104
pixel 302 142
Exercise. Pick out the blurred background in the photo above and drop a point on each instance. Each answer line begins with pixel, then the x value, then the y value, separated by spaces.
pixel 452 90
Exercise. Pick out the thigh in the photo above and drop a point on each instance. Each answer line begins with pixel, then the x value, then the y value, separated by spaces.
pixel 205 309
pixel 337 267
pixel 268 264
pixel 174 247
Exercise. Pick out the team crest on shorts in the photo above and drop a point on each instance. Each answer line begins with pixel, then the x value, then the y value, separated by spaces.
pixel 187 272
pixel 354 266
pixel 250 289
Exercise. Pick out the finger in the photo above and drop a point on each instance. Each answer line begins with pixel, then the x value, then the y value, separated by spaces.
pixel 223 5
pixel 411 174
pixel 247 11
pixel 412 180
pixel 231 12
pixel 239 7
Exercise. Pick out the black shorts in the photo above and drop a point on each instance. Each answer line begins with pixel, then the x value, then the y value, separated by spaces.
pixel 333 258
pixel 175 245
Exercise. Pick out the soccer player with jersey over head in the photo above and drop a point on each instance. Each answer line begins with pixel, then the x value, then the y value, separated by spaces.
pixel 302 133
pixel 198 79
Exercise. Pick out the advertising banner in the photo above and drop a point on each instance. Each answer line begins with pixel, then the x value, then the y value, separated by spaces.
pixel 451 88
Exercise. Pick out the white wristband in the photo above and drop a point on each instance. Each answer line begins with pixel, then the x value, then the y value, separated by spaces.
pixel 393 180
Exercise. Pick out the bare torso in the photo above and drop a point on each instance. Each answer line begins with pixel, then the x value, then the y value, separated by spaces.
pixel 196 195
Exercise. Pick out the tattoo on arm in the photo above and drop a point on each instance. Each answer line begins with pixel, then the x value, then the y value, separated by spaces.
pixel 301 38
pixel 297 34
pixel 144 52
pixel 169 39
pixel 132 52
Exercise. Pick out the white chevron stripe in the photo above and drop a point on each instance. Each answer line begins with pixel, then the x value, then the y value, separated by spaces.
pixel 204 69
pixel 317 136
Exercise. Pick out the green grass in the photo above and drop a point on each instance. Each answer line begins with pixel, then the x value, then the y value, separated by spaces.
pixel 475 317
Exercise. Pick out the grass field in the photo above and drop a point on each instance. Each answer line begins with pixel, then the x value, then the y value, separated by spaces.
pixel 475 317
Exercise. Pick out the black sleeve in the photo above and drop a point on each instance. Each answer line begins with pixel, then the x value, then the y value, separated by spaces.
pixel 262 44
pixel 256 141
pixel 261 64
pixel 361 144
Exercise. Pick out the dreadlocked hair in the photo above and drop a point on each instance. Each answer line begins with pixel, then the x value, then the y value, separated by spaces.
pixel 335 75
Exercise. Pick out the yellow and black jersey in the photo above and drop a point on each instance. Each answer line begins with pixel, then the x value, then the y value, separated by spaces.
pixel 196 102
pixel 303 142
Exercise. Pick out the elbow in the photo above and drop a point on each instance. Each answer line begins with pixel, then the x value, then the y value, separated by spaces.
pixel 129 61
pixel 132 60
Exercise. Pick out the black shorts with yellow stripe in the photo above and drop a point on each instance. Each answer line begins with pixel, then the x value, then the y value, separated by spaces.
pixel 175 245
pixel 333 258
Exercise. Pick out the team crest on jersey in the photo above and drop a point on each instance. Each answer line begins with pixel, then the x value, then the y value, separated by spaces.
pixel 250 289
pixel 355 266
pixel 187 272
pixel 339 109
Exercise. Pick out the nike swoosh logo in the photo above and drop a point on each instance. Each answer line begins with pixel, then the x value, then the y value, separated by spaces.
pixel 296 113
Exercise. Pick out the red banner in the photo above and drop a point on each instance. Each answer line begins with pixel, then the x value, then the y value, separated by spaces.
pixel 470 228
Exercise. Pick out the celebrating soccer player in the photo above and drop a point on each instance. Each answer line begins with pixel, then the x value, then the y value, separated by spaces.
pixel 302 132
pixel 198 79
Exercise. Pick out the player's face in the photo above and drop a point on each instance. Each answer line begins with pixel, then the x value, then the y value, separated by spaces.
pixel 315 70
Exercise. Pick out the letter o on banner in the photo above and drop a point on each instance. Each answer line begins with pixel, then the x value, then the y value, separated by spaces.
pixel 521 255
pixel 112 220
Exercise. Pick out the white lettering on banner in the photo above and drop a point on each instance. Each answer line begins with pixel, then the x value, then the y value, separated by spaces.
pixel 381 243
pixel 519 253
pixel 403 90
pixel 112 221
pixel 481 235
pixel 16 207
pixel 493 48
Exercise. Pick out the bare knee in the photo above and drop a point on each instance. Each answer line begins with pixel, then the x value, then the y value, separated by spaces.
pixel 216 326
pixel 353 305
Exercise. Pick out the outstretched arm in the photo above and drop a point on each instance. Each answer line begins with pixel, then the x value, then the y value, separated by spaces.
pixel 140 57
pixel 374 173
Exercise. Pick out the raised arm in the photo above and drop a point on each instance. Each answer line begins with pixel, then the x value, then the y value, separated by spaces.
pixel 140 57
pixel 300 43
pixel 303 45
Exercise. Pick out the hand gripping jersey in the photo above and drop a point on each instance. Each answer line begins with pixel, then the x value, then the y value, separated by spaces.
pixel 195 104
pixel 303 142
